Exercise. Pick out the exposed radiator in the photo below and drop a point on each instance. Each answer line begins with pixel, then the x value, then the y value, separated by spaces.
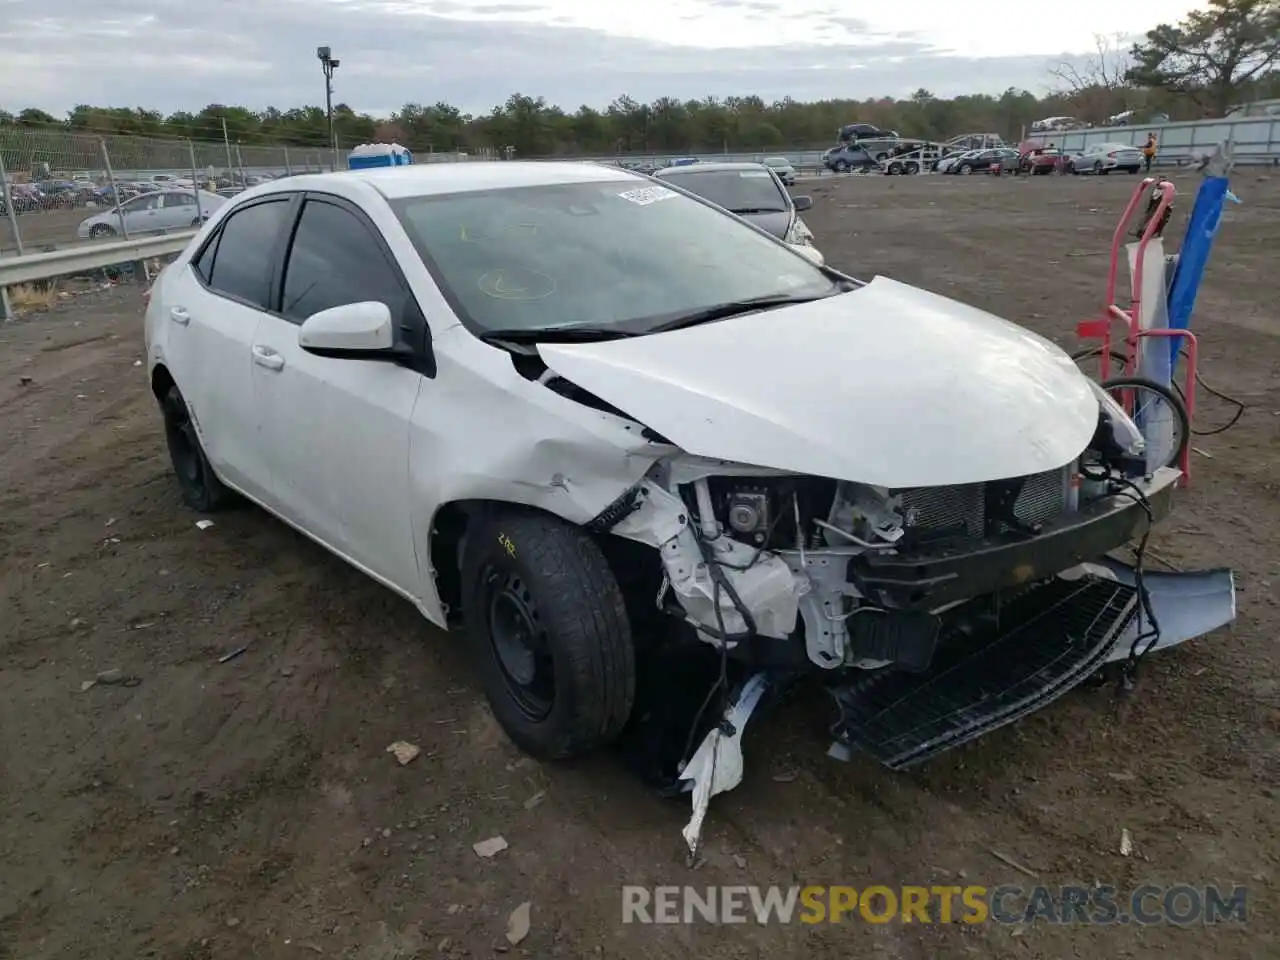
pixel 960 510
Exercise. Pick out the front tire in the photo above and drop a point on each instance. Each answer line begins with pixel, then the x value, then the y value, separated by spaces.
pixel 547 626
pixel 965 169
pixel 201 489
pixel 100 230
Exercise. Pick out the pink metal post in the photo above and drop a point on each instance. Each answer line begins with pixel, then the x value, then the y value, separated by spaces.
pixel 1101 328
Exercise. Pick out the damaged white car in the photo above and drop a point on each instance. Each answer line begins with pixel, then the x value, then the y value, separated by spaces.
pixel 586 417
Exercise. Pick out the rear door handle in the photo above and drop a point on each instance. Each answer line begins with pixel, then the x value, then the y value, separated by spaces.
pixel 179 315
pixel 268 358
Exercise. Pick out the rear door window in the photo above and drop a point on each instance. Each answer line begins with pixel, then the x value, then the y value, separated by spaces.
pixel 246 244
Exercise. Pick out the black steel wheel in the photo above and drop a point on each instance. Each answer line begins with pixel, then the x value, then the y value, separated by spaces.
pixel 548 628
pixel 200 486
pixel 518 641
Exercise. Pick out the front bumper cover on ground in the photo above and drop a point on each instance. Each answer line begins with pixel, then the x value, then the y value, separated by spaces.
pixel 1007 662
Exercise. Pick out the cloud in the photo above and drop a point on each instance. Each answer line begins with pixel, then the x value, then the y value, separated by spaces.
pixel 180 55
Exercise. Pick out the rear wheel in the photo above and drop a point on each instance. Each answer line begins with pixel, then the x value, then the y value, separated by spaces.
pixel 200 486
pixel 912 167
pixel 842 166
pixel 548 628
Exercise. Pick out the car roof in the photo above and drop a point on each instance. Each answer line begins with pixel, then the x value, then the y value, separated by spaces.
pixel 427 179
pixel 715 165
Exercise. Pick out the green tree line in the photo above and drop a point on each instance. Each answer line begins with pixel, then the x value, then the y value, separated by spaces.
pixel 1201 66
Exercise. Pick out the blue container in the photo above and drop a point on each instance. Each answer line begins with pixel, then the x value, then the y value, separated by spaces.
pixel 370 155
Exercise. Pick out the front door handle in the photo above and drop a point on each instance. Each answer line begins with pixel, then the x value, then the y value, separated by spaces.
pixel 179 315
pixel 268 358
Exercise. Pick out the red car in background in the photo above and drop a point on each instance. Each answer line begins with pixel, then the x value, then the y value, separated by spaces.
pixel 1037 159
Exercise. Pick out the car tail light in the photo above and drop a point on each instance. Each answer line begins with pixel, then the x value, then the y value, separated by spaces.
pixel 146 297
pixel 1112 155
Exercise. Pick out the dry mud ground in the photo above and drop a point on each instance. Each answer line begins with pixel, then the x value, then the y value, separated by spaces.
pixel 249 808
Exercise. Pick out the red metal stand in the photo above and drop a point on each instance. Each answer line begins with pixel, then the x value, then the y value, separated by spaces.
pixel 1101 328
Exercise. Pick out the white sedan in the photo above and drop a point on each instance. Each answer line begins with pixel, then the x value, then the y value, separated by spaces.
pixel 157 211
pixel 598 417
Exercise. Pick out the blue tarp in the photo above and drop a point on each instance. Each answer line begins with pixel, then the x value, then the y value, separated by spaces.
pixel 1202 227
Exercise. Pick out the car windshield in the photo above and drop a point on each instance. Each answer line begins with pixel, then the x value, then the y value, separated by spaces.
pixel 742 191
pixel 619 255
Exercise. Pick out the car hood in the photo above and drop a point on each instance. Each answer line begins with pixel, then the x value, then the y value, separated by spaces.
pixel 888 385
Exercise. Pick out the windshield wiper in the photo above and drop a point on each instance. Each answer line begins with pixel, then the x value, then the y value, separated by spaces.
pixel 579 334
pixel 741 210
pixel 735 308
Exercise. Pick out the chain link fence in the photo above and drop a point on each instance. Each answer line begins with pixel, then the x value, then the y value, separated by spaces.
pixel 54 180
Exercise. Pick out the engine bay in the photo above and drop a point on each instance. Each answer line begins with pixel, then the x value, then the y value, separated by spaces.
pixel 862 576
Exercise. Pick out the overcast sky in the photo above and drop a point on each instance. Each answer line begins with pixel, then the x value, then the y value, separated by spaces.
pixel 182 54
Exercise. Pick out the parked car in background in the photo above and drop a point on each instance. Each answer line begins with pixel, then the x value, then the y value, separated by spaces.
pixel 24 197
pixel 976 161
pixel 167 209
pixel 946 164
pixel 1039 160
pixel 1050 124
pixel 106 196
pixel 751 191
pixel 851 132
pixel 783 168
pixel 58 193
pixel 1102 158
pixel 847 157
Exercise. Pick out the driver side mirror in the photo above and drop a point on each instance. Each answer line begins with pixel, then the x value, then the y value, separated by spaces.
pixel 802 203
pixel 353 330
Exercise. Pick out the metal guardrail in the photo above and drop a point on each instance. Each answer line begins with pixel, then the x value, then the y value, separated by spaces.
pixel 37 267
pixel 34 267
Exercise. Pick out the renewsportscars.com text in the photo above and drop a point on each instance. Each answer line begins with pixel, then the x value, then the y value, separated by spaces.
pixel 1179 904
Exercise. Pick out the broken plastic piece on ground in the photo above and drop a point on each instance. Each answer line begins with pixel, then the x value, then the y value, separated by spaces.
pixel 490 848
pixel 716 766
pixel 1187 604
pixel 518 923
pixel 404 751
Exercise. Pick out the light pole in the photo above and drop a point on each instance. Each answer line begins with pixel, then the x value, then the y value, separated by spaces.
pixel 329 64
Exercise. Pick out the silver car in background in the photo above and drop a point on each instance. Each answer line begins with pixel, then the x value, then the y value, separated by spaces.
pixel 783 168
pixel 152 212
pixel 753 192
pixel 1102 158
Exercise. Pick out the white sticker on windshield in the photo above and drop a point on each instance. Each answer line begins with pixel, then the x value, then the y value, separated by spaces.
pixel 754 173
pixel 647 195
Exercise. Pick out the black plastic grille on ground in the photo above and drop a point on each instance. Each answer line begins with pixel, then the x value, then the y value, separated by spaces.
pixel 1050 639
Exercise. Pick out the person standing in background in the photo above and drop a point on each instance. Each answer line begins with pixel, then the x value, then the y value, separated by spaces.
pixel 1149 151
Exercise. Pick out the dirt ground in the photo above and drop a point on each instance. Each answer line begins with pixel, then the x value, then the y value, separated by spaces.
pixel 197 808
pixel 42 229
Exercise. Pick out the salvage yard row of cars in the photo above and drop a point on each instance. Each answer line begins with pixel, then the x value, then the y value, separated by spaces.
pixel 667 464
pixel 84 192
